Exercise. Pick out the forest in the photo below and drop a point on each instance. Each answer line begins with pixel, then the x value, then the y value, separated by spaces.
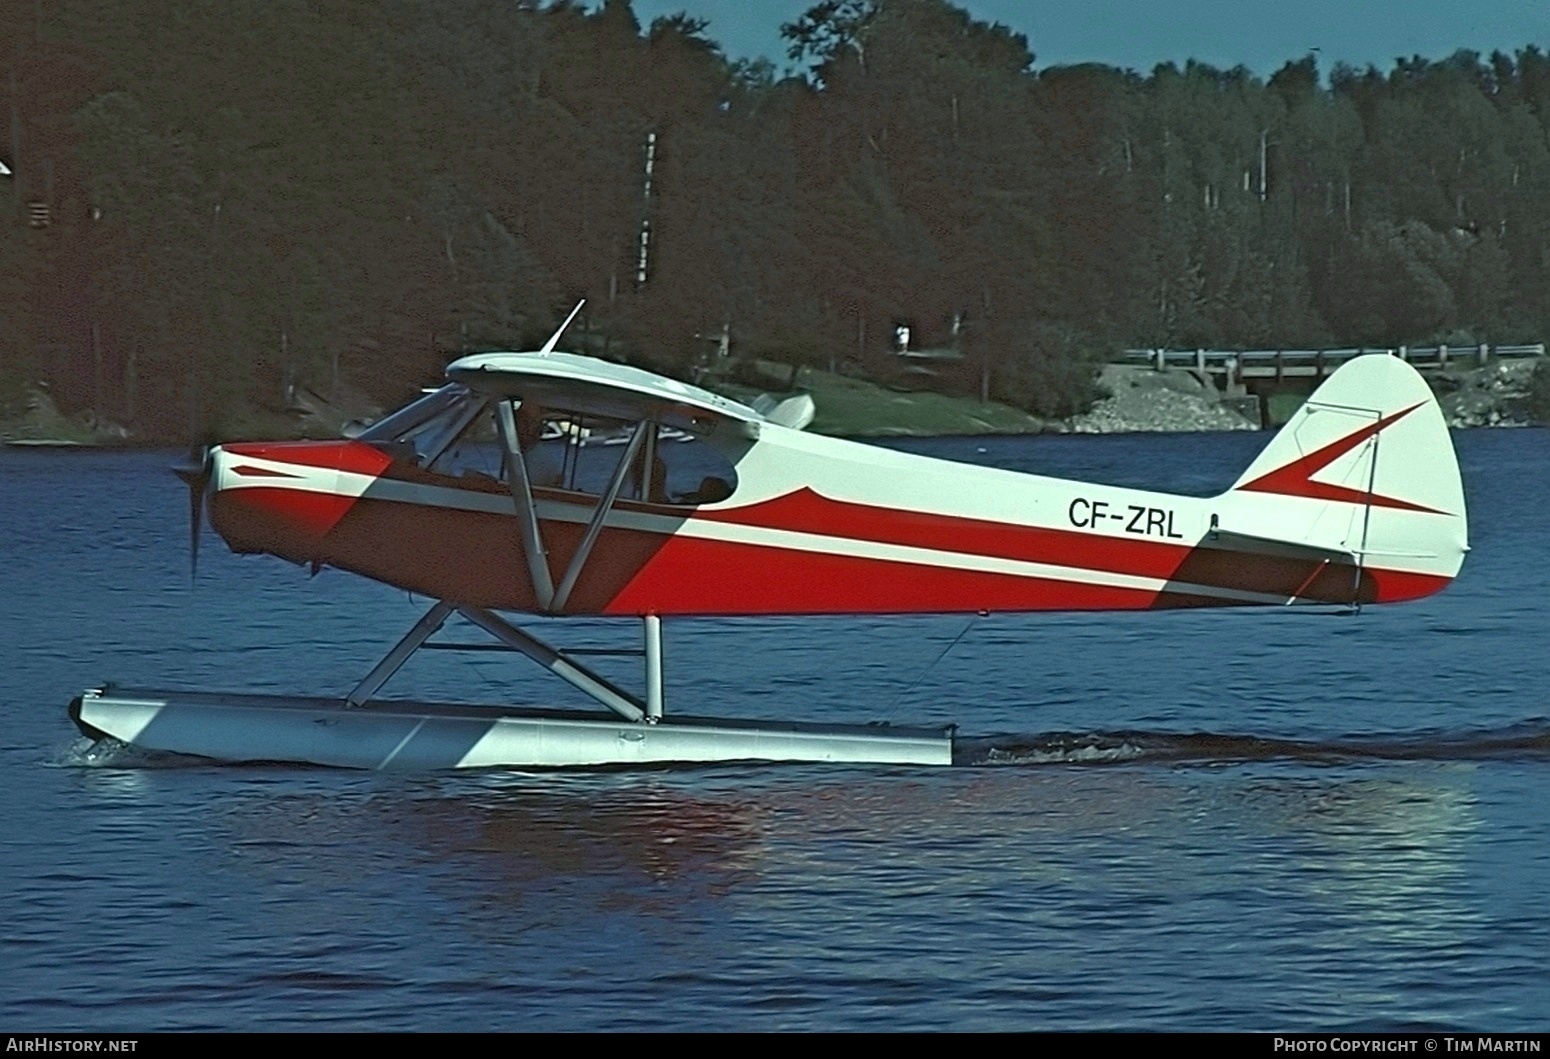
pixel 213 202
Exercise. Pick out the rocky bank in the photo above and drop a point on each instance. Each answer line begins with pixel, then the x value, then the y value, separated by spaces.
pixel 1493 396
pixel 1142 399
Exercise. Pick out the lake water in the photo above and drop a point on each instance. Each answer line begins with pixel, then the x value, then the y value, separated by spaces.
pixel 1234 820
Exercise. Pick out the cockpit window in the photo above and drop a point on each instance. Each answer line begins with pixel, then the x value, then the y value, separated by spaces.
pixel 453 432
pixel 415 415
pixel 582 453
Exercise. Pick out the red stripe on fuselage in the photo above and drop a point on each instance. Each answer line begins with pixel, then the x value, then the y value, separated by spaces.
pixel 807 511
pixel 704 577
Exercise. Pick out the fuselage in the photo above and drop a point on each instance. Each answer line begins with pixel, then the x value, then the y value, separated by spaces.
pixel 814 525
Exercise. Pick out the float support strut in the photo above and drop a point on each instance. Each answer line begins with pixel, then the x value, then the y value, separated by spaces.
pixel 653 631
pixel 423 630
pixel 561 665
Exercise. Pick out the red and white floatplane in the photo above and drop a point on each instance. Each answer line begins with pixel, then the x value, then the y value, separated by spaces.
pixel 458 498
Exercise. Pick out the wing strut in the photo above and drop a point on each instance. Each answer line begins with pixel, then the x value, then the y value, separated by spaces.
pixel 552 599
pixel 527 511
pixel 599 514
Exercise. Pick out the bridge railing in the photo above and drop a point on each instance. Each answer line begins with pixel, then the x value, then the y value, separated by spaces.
pixel 1423 357
pixel 1261 362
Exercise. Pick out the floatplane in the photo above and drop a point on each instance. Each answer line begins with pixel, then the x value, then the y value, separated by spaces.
pixel 459 498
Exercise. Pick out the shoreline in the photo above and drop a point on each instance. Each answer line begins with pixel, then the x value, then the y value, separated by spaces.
pixel 1141 400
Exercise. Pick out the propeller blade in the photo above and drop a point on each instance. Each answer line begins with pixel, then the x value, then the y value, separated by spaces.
pixel 194 469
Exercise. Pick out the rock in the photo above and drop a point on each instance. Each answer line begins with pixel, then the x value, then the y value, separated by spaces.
pixel 1143 399
pixel 1493 395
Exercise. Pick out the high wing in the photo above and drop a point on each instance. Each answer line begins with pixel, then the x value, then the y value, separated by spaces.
pixel 597 387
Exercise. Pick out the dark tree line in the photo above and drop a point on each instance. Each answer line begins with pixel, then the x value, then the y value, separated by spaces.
pixel 232 197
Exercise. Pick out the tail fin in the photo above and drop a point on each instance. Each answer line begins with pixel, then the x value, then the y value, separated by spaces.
pixel 1364 470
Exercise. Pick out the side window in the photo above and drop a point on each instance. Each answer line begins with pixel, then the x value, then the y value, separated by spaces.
pixel 697 472
pixel 475 452
pixel 581 454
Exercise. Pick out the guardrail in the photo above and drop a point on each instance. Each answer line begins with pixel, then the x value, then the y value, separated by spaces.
pixel 1239 364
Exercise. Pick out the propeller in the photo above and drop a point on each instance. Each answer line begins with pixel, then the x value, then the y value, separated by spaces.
pixel 195 470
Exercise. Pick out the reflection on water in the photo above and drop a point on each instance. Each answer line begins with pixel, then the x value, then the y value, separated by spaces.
pixel 1387 856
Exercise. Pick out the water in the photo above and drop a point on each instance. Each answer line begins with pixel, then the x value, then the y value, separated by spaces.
pixel 1232 820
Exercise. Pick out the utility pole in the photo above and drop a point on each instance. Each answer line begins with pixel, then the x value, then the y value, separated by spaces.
pixel 15 161
pixel 1264 135
pixel 645 216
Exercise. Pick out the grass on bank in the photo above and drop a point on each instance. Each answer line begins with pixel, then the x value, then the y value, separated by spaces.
pixel 858 408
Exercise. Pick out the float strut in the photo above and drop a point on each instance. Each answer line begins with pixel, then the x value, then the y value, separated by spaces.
pixel 560 664
pixel 423 630
pixel 653 630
